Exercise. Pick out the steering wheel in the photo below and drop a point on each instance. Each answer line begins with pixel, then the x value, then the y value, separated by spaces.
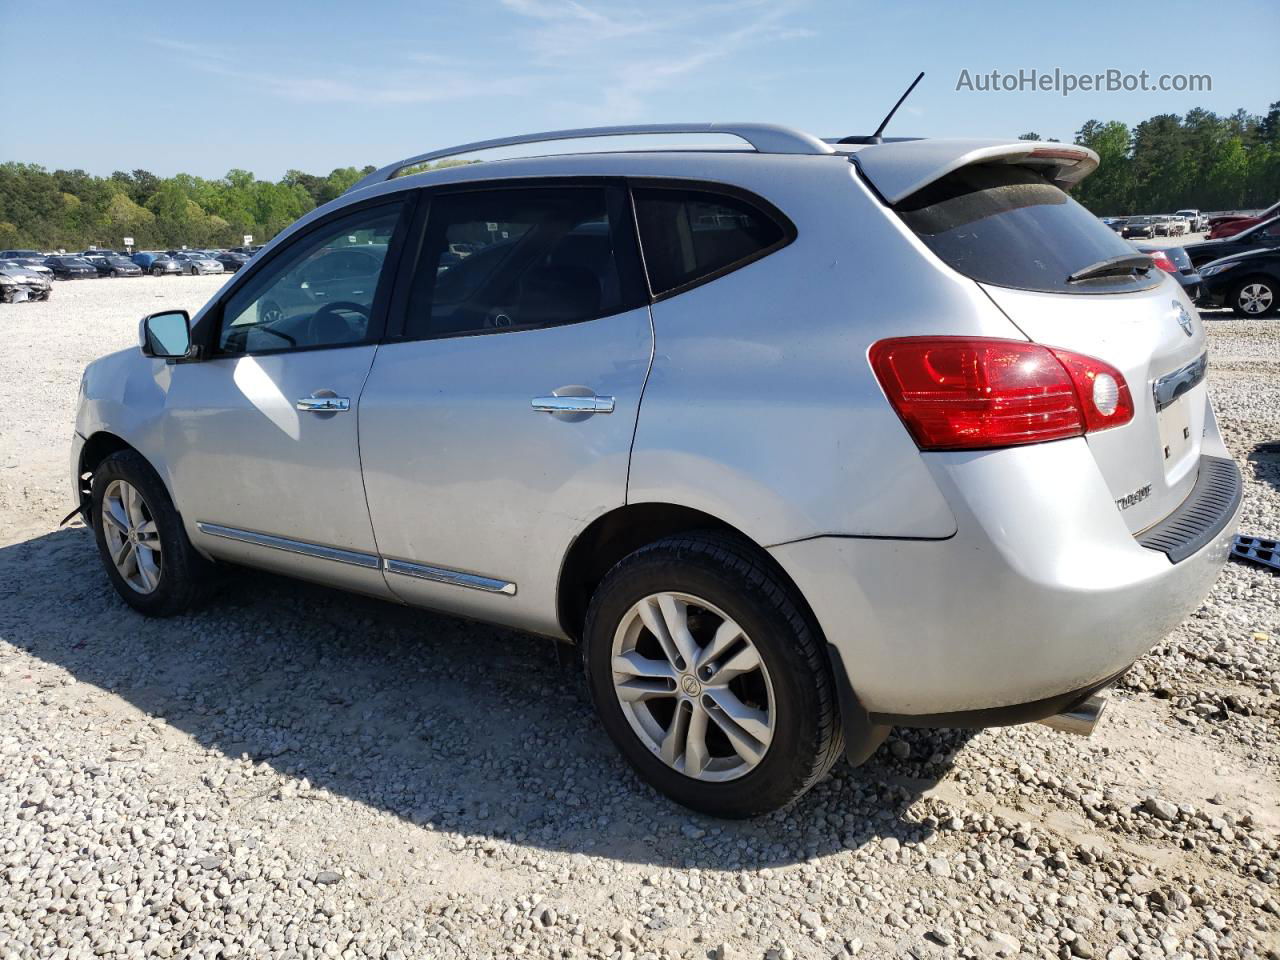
pixel 332 309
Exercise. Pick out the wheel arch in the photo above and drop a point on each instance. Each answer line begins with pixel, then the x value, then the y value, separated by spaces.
pixel 609 538
pixel 613 535
pixel 97 447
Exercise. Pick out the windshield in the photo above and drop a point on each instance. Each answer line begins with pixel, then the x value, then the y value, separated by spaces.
pixel 1010 227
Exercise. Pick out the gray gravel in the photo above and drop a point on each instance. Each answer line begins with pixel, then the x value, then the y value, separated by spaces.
pixel 296 773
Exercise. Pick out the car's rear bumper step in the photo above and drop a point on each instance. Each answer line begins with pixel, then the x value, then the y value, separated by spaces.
pixel 1204 513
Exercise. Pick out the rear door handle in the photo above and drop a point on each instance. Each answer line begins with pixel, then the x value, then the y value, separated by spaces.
pixel 324 404
pixel 573 404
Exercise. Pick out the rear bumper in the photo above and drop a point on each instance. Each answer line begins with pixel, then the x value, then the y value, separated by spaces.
pixel 1042 594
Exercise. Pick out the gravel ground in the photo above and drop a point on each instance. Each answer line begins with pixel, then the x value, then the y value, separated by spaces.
pixel 297 773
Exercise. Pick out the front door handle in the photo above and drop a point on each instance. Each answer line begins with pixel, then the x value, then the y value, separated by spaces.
pixel 324 404
pixel 590 404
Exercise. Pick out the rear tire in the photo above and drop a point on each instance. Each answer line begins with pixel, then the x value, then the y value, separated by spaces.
pixel 157 272
pixel 1254 297
pixel 174 577
pixel 715 578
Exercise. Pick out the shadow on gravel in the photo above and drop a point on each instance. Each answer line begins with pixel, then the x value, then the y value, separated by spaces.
pixel 1266 460
pixel 477 731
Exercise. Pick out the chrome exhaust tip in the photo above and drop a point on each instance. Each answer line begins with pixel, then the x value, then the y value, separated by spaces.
pixel 1080 719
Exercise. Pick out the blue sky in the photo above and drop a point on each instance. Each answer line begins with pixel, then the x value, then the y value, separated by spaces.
pixel 204 87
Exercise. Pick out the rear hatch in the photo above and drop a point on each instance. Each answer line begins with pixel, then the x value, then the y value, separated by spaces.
pixel 1026 244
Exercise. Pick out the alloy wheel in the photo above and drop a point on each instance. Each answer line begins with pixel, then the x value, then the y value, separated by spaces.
pixel 693 687
pixel 133 540
pixel 1255 298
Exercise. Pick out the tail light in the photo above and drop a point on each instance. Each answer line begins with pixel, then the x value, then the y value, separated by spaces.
pixel 1161 260
pixel 972 393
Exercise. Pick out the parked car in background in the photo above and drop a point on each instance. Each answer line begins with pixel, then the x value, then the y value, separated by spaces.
pixel 114 265
pixel 1231 224
pixel 23 255
pixel 1196 221
pixel 231 261
pixel 157 264
pixel 34 264
pixel 641 416
pixel 19 282
pixel 1173 260
pixel 71 268
pixel 1166 225
pixel 197 262
pixel 1262 236
pixel 1139 227
pixel 1248 283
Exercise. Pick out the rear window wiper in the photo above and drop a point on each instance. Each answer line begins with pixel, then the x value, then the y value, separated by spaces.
pixel 1124 263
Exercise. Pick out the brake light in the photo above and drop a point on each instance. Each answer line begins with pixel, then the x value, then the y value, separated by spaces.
pixel 973 393
pixel 1161 260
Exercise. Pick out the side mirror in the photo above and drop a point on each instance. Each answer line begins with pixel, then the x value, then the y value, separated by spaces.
pixel 166 335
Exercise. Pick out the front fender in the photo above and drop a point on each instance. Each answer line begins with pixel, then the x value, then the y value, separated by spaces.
pixel 125 394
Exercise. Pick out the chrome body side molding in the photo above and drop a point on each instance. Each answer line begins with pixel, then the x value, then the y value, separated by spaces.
pixel 300 547
pixel 420 571
pixel 459 578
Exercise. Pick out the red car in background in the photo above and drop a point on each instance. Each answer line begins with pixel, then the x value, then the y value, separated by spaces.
pixel 1229 226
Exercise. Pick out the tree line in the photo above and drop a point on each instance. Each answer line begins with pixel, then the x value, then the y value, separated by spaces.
pixel 72 209
pixel 1198 161
pixel 1163 164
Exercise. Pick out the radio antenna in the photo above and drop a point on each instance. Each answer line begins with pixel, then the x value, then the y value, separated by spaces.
pixel 875 137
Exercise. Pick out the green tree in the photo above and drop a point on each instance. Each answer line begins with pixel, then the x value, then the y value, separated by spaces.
pixel 1109 190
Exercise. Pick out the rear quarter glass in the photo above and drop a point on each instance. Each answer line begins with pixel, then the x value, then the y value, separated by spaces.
pixel 1008 226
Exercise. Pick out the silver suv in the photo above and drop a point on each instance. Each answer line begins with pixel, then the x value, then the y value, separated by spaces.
pixel 797 442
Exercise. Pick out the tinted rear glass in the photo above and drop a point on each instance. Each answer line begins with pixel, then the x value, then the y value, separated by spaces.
pixel 689 235
pixel 1010 227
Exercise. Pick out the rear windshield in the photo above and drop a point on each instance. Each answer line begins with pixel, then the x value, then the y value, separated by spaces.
pixel 1010 227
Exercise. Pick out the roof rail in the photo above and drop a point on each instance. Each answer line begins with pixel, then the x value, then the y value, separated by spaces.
pixel 763 137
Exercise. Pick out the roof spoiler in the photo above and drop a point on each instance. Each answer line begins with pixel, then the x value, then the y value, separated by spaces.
pixel 897 170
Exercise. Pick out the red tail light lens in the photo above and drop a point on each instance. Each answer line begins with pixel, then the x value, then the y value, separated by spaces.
pixel 1162 261
pixel 962 393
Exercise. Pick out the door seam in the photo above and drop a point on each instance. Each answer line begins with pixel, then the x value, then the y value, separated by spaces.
pixel 644 385
pixel 364 488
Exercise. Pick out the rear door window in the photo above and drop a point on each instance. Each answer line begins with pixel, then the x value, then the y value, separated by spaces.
pixel 690 236
pixel 508 259
pixel 1008 226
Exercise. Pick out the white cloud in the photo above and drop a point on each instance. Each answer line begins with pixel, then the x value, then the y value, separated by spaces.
pixel 622 55
pixel 601 62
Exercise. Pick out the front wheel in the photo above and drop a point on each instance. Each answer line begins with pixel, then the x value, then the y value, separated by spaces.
pixel 1255 297
pixel 141 540
pixel 710 678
